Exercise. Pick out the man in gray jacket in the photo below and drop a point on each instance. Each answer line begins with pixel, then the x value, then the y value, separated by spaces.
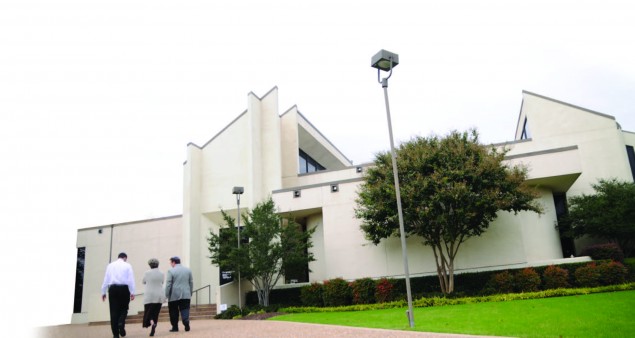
pixel 178 291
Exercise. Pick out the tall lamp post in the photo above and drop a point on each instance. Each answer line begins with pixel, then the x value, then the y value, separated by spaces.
pixel 238 191
pixel 386 61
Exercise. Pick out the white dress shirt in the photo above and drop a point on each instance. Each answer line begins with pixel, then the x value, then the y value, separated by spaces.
pixel 118 273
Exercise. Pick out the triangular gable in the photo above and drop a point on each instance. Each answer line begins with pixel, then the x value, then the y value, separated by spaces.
pixel 543 116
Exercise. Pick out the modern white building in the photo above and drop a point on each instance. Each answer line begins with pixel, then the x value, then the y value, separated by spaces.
pixel 567 148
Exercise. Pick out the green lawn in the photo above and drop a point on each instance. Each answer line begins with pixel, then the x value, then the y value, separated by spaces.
pixel 610 314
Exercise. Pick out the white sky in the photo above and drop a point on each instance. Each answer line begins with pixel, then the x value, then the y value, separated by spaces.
pixel 98 99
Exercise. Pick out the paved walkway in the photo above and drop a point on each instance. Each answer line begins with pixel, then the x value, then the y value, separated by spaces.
pixel 236 329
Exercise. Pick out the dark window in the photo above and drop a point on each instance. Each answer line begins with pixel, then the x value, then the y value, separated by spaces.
pixel 631 159
pixel 568 246
pixel 298 274
pixel 525 134
pixel 303 167
pixel 308 164
pixel 79 279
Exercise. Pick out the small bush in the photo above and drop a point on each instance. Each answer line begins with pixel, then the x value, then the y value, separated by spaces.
pixel 337 292
pixel 612 273
pixel 231 312
pixel 363 291
pixel 312 295
pixel 502 282
pixel 555 277
pixel 588 275
pixel 384 290
pixel 526 280
pixel 604 251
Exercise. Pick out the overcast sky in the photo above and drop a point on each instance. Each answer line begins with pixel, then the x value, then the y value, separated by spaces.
pixel 98 99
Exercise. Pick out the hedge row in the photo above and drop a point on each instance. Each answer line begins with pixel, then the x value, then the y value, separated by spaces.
pixel 554 277
pixel 386 290
pixel 443 301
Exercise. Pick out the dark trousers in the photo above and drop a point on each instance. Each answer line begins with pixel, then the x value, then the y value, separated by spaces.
pixel 151 312
pixel 181 306
pixel 119 299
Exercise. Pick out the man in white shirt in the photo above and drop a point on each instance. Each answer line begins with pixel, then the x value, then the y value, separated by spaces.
pixel 119 282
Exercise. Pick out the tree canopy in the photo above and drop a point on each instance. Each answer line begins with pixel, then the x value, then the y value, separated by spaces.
pixel 608 214
pixel 270 247
pixel 451 189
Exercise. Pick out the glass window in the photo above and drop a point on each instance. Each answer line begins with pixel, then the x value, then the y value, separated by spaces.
pixel 631 159
pixel 525 134
pixel 308 164
pixel 79 279
pixel 303 169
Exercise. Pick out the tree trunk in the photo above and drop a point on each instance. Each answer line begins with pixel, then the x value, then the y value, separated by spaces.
pixel 451 275
pixel 440 261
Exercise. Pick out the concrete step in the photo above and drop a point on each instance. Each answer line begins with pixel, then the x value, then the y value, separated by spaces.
pixel 206 311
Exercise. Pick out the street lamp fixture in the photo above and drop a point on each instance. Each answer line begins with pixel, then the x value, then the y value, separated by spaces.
pixel 238 191
pixel 386 61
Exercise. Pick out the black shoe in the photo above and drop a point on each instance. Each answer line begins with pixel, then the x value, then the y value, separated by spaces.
pixel 122 331
pixel 187 326
pixel 152 330
pixel 174 329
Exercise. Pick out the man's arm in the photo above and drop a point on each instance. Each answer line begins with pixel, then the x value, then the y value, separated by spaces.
pixel 104 285
pixel 168 285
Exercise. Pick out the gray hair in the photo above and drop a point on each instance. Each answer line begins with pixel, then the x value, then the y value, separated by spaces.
pixel 153 262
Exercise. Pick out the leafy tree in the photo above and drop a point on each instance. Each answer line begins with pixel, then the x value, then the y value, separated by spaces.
pixel 270 246
pixel 451 190
pixel 608 214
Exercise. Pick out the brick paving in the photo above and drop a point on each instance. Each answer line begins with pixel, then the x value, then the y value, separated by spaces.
pixel 235 329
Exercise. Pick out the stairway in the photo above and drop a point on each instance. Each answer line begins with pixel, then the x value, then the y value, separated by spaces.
pixel 204 311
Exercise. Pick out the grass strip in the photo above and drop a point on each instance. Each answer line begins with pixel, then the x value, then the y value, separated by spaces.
pixel 591 314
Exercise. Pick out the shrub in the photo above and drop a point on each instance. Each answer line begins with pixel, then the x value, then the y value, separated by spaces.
pixel 612 273
pixel 231 312
pixel 604 251
pixel 312 295
pixel 526 280
pixel 384 290
pixel 588 275
pixel 555 277
pixel 337 292
pixel 363 291
pixel 502 282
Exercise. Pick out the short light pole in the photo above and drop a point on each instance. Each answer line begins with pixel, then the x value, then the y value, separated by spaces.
pixel 238 191
pixel 386 61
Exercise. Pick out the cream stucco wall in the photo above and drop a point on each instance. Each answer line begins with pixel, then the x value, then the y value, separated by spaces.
pixel 629 137
pixel 156 238
pixel 258 151
pixel 569 148
pixel 341 250
pixel 554 124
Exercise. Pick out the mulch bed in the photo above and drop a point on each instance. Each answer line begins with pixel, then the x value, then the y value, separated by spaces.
pixel 262 316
